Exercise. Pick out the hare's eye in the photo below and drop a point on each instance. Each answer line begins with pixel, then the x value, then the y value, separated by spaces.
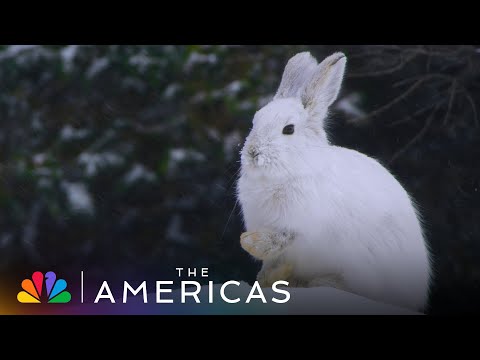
pixel 288 130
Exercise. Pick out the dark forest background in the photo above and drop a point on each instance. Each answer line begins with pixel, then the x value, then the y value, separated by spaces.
pixel 124 158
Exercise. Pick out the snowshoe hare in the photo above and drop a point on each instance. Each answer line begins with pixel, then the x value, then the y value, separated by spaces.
pixel 322 215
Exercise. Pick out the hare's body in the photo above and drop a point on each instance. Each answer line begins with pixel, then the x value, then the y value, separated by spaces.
pixel 351 219
pixel 318 214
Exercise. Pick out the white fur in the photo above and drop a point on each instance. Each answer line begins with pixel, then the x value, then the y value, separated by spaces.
pixel 351 217
pixel 297 72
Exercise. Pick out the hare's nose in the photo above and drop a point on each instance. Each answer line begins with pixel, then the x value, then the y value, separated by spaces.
pixel 253 153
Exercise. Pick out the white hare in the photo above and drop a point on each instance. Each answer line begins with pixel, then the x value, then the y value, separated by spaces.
pixel 323 215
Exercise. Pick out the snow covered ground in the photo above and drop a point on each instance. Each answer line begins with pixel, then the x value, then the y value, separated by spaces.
pixel 330 301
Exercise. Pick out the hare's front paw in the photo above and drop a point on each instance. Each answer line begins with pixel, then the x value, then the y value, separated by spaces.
pixel 269 277
pixel 255 243
pixel 265 244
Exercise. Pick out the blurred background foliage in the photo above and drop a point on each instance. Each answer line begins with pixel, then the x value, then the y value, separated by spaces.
pixel 124 158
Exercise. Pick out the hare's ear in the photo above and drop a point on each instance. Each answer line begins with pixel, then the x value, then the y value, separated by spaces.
pixel 297 71
pixel 323 87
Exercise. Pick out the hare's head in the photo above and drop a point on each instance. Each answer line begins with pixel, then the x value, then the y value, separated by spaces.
pixel 293 122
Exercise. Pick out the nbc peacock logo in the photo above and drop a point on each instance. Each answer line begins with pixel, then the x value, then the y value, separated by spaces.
pixel 42 288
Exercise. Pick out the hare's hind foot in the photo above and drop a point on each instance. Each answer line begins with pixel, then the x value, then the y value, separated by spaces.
pixel 329 280
pixel 267 277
